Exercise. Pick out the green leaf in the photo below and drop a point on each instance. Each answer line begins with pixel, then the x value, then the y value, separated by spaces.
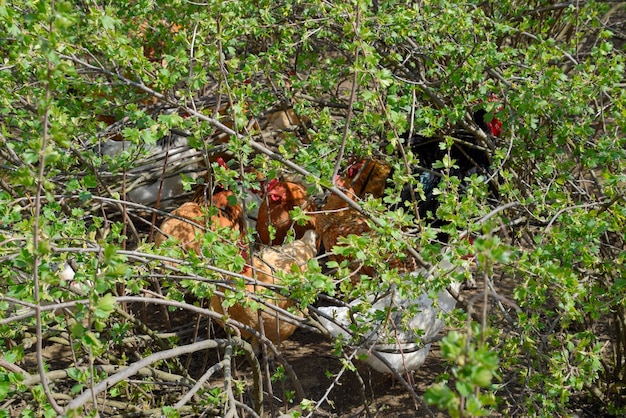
pixel 465 389
pixel 481 377
pixel 91 341
pixel 108 22
pixel 440 395
pixel 105 306
pixel 5 389
pixel 77 388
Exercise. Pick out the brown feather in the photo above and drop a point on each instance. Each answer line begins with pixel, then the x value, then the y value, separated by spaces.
pixel 229 216
pixel 182 230
pixel 281 198
pixel 368 177
pixel 336 220
pixel 293 255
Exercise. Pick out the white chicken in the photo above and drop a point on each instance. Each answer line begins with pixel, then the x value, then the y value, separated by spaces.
pixel 148 178
pixel 411 336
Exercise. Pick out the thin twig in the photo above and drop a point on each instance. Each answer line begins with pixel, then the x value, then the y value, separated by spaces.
pixel 36 237
pixel 346 126
pixel 133 369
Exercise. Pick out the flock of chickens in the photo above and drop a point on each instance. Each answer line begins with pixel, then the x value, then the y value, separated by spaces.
pixel 218 209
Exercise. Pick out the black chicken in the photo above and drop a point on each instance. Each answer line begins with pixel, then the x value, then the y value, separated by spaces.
pixel 469 159
pixel 369 177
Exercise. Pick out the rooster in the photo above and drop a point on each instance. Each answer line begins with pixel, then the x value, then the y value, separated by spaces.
pixel 289 257
pixel 282 197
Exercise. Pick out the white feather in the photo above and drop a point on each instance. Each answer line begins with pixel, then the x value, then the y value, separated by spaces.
pixel 68 274
pixel 144 179
pixel 407 352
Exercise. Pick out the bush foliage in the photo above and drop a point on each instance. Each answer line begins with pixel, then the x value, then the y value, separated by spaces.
pixel 361 74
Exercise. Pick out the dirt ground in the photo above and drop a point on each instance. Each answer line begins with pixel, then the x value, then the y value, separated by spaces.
pixel 377 396
pixel 366 394
pixel 372 394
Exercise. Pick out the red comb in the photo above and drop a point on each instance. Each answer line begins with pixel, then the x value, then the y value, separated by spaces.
pixel 496 126
pixel 221 162
pixel 272 183
pixel 354 168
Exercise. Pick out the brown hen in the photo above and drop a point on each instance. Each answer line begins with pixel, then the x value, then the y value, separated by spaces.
pixel 184 231
pixel 289 257
pixel 282 197
pixel 336 220
pixel 367 177
pixel 229 215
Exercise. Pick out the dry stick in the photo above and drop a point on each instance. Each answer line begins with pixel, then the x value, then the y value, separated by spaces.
pixel 228 383
pixel 362 388
pixel 206 376
pixel 247 409
pixel 8 154
pixel 13 368
pixel 195 330
pixel 33 307
pixel 486 282
pixel 55 375
pixel 160 192
pixel 500 299
pixel 133 369
pixel 403 153
pixel 266 364
pixel 92 377
pixel 143 257
pixel 329 389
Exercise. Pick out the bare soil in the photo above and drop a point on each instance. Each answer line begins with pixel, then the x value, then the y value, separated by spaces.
pixel 360 393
